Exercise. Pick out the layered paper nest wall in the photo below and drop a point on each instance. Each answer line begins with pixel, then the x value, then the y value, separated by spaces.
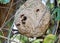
pixel 32 18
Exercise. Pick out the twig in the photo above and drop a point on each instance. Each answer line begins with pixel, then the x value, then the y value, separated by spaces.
pixel 8 13
pixel 8 39
pixel 9 33
pixel 17 2
pixel 3 7
pixel 10 18
pixel 57 26
pixel 12 4
pixel 6 22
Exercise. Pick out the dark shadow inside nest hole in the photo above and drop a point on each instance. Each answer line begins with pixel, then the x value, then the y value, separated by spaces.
pixel 37 10
pixel 24 19
pixel 17 24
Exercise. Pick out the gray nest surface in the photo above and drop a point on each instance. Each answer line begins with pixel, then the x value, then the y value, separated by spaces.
pixel 32 18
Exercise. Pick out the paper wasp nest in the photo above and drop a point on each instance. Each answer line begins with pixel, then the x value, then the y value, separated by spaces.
pixel 32 18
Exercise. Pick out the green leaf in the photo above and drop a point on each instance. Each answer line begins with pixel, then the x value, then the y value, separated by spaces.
pixel 1 40
pixel 36 41
pixel 24 39
pixel 58 14
pixel 1 33
pixel 21 38
pixel 49 38
pixel 58 1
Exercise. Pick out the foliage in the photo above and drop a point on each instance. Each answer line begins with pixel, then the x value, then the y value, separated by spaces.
pixel 1 40
pixel 49 38
pixel 20 38
pixel 57 10
pixel 36 41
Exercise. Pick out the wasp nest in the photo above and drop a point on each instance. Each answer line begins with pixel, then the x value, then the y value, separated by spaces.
pixel 32 18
